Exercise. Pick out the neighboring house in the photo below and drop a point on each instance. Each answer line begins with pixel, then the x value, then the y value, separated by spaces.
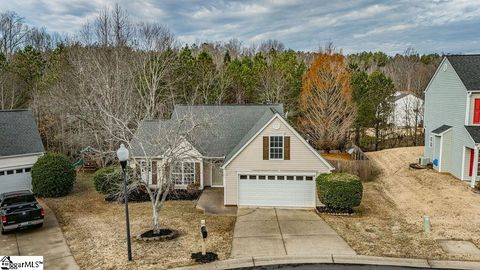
pixel 407 110
pixel 20 147
pixel 452 117
pixel 248 150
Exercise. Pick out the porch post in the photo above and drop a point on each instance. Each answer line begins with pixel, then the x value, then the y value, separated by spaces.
pixel 201 173
pixel 475 166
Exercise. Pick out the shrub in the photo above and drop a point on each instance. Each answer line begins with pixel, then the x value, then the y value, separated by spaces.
pixel 53 176
pixel 107 180
pixel 341 191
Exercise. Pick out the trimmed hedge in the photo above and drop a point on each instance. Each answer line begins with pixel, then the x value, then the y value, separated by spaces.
pixel 106 180
pixel 53 176
pixel 340 191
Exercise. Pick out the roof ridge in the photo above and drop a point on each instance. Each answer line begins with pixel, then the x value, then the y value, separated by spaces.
pixel 232 105
pixel 16 110
pixel 473 54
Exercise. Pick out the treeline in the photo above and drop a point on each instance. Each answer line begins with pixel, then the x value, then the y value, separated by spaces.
pixel 115 68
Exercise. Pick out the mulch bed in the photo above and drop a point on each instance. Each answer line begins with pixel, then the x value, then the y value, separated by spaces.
pixel 208 257
pixel 163 235
pixel 336 212
pixel 174 195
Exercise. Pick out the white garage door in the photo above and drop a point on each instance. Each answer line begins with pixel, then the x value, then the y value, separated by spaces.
pixel 276 190
pixel 15 180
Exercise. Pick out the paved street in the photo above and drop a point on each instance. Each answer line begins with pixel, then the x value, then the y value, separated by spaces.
pixel 274 232
pixel 335 267
pixel 47 241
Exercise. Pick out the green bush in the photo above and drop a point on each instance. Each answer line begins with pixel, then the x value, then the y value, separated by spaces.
pixel 53 176
pixel 106 180
pixel 340 191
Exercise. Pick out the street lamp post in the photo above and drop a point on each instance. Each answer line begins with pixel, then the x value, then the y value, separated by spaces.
pixel 122 154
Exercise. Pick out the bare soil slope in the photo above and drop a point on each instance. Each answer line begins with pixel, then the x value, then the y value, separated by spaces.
pixel 390 219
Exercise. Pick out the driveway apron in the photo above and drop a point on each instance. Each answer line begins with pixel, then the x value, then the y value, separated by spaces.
pixel 47 241
pixel 276 232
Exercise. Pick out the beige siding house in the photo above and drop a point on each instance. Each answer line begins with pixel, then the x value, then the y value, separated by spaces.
pixel 250 151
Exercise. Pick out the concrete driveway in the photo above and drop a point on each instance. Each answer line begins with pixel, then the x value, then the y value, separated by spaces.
pixel 47 241
pixel 272 232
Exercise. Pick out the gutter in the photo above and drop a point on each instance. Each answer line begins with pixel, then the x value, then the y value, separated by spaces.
pixel 23 155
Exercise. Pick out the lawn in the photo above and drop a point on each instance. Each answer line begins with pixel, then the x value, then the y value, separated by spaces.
pixel 95 230
pixel 389 222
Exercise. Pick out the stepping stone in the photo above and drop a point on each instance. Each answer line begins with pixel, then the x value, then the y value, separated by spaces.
pixel 459 247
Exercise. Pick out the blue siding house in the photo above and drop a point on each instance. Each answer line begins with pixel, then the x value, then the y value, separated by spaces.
pixel 452 117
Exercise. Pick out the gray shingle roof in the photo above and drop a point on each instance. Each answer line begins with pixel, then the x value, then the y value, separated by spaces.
pixel 441 129
pixel 18 133
pixel 474 132
pixel 468 69
pixel 222 130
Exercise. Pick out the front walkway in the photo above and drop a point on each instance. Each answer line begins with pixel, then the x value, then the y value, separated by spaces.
pixel 277 232
pixel 47 241
pixel 211 203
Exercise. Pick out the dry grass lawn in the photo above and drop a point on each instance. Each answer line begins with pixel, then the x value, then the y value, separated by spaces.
pixel 390 219
pixel 337 156
pixel 95 231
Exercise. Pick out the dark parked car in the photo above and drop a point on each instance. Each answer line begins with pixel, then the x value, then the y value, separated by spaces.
pixel 20 209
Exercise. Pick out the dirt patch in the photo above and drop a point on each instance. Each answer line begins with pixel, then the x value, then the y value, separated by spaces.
pixel 390 216
pixel 95 231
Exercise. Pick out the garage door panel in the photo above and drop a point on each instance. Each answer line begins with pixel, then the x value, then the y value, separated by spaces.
pixel 15 182
pixel 287 193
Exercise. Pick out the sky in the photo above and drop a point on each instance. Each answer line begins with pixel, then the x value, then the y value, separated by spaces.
pixel 391 26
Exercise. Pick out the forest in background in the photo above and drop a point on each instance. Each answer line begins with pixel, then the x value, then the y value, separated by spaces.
pixel 114 68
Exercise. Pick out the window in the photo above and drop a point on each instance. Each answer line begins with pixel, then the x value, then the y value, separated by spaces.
pixel 243 177
pixel 309 178
pixel 280 177
pixel 430 141
pixel 252 177
pixel 9 172
pixel 261 177
pixel 28 169
pixel 183 173
pixel 19 171
pixel 2 173
pixel 289 177
pixel 276 147
pixel 299 178
pixel 271 177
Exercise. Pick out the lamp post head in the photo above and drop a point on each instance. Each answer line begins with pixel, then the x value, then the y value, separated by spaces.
pixel 122 154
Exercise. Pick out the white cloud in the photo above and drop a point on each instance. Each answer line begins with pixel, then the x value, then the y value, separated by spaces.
pixel 434 25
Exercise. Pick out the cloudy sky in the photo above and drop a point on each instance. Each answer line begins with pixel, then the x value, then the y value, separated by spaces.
pixel 390 25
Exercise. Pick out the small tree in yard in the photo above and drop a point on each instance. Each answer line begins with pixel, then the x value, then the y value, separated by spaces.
pixel 327 110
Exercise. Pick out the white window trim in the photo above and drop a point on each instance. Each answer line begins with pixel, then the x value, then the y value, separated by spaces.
pixel 183 174
pixel 270 147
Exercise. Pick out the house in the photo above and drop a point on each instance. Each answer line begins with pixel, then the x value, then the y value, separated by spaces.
pixel 452 117
pixel 407 110
pixel 248 150
pixel 20 147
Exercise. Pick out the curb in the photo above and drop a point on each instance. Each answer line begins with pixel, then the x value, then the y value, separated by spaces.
pixel 333 259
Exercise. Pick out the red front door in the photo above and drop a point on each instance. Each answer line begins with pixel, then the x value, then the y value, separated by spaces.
pixel 476 111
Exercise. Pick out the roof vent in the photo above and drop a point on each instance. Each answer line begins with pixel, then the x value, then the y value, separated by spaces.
pixel 445 67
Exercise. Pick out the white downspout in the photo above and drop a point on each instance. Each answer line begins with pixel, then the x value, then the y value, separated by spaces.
pixel 201 174
pixel 475 167
pixel 467 116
